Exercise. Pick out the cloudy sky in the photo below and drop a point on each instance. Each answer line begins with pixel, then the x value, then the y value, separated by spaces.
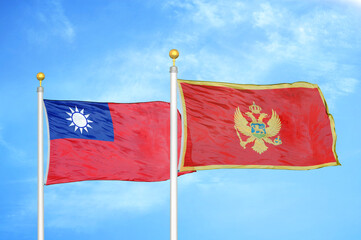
pixel 117 51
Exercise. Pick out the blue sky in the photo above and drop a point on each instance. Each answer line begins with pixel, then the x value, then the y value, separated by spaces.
pixel 117 51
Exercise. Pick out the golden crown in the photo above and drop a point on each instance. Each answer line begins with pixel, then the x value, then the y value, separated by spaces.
pixel 255 109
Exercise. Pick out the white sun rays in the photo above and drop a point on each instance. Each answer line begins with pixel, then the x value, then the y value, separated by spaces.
pixel 79 120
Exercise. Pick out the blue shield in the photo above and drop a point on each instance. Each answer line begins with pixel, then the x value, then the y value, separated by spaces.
pixel 258 130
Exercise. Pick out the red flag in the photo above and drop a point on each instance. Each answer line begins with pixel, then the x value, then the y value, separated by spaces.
pixel 282 126
pixel 108 141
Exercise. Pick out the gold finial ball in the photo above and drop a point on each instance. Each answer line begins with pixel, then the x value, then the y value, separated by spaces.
pixel 40 76
pixel 173 53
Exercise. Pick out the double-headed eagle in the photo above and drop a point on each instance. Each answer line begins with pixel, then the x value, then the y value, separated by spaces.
pixel 257 130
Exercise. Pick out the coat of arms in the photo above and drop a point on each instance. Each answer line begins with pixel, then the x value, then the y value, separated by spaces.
pixel 257 131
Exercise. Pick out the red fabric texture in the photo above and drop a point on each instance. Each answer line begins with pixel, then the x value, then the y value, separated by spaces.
pixel 140 151
pixel 212 141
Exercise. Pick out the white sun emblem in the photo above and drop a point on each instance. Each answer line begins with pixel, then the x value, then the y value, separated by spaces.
pixel 79 120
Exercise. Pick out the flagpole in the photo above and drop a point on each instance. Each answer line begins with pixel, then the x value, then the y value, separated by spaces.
pixel 173 148
pixel 40 76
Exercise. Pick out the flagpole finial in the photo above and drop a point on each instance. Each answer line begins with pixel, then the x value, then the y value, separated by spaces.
pixel 40 76
pixel 173 54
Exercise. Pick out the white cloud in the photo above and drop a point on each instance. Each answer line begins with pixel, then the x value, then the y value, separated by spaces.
pixel 356 3
pixel 210 13
pixel 11 150
pixel 267 16
pixel 338 87
pixel 134 75
pixel 305 41
pixel 53 22
pixel 313 43
pixel 85 204
pixel 216 186
pixel 348 85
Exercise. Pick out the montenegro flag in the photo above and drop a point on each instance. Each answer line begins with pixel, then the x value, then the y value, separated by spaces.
pixel 282 126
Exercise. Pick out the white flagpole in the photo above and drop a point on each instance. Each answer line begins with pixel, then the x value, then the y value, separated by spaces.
pixel 40 76
pixel 173 148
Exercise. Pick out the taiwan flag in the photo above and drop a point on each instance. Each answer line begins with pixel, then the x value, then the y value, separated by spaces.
pixel 281 126
pixel 108 141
